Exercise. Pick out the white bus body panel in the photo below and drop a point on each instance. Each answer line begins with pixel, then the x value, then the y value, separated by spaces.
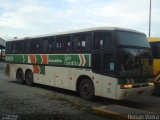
pixel 65 77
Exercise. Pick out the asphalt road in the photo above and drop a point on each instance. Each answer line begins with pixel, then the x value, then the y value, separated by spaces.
pixel 43 102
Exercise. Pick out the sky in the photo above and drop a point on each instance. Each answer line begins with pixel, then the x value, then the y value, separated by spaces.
pixel 22 18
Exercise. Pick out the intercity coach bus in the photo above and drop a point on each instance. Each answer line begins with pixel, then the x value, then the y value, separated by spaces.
pixel 109 62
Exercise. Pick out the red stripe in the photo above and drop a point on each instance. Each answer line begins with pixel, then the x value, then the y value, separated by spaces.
pixel 36 69
pixel 32 58
pixel 44 59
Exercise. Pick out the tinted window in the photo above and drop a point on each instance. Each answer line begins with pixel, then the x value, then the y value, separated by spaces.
pixel 63 43
pixel 44 44
pixel 81 42
pixel 102 39
pixel 96 62
pixel 51 44
pixel 132 39
pixel 25 46
pixel 15 47
pixel 67 42
pixel 59 43
pixel 135 62
pixel 76 42
pixel 155 46
pixel 8 47
pixel 35 46
pixel 85 42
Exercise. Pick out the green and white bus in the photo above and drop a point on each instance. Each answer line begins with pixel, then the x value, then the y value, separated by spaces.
pixel 109 62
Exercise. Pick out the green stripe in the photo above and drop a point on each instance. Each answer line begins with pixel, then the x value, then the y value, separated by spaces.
pixel 42 69
pixel 25 58
pixel 14 58
pixel 54 59
pixel 87 60
pixel 68 60
pixel 39 59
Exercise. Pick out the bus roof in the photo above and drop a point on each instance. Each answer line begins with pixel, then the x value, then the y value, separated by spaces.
pixel 78 31
pixel 154 39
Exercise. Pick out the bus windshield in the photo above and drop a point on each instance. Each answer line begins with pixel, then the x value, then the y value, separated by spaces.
pixel 131 39
pixel 135 62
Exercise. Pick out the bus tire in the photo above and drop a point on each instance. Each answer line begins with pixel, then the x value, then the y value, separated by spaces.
pixel 20 76
pixel 86 89
pixel 29 78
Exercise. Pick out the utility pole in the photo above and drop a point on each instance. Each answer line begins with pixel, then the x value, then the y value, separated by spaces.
pixel 150 19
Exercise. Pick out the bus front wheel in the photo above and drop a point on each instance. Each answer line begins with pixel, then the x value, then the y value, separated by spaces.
pixel 20 76
pixel 29 78
pixel 86 89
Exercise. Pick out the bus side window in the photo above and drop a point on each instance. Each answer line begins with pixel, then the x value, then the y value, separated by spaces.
pixel 35 46
pixel 76 39
pixel 25 46
pixel 15 47
pixel 8 47
pixel 60 43
pixel 102 39
pixel 85 42
pixel 44 44
pixel 67 43
pixel 51 44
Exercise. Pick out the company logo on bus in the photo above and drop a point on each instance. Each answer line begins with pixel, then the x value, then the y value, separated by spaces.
pixel 9 58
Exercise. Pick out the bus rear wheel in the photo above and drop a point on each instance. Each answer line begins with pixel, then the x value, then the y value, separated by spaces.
pixel 20 76
pixel 29 78
pixel 86 89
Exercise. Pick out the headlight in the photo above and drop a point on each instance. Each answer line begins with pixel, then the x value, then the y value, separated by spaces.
pixel 126 86
pixel 151 84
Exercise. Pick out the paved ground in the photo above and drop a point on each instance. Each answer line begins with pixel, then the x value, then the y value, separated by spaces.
pixel 46 102
pixel 41 102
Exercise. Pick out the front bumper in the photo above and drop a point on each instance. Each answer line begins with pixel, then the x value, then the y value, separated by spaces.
pixel 134 92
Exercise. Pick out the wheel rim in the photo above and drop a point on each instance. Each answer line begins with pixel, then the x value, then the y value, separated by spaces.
pixel 86 89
